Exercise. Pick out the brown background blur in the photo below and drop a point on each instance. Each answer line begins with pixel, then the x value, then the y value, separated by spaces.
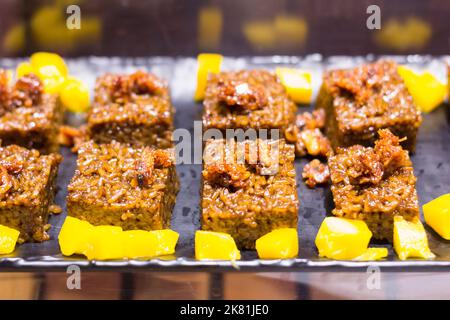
pixel 231 27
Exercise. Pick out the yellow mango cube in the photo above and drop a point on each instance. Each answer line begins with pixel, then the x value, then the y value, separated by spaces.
pixel 166 241
pixel 278 244
pixel 410 239
pixel 8 239
pixel 207 63
pixel 342 239
pixel 147 244
pixel 437 215
pixel 215 246
pixel 427 91
pixel 106 243
pixel 372 254
pixel 74 95
pixel 44 59
pixel 23 69
pixel 74 236
pixel 297 83
pixel 51 78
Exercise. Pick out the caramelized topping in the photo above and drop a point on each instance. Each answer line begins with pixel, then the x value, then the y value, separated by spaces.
pixel 124 88
pixel 306 134
pixel 363 166
pixel 242 95
pixel 151 159
pixel 230 164
pixel 144 168
pixel 72 137
pixel 163 158
pixel 391 154
pixel 314 120
pixel 4 89
pixel 371 165
pixel 315 173
pixel 27 91
pixel 226 175
pixel 5 181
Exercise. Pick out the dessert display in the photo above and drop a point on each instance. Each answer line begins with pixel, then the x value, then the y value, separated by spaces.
pixel 115 184
pixel 278 244
pixel 248 188
pixel 360 101
pixel 120 200
pixel 211 245
pixel 437 215
pixel 253 99
pixel 29 117
pixel 111 242
pixel 374 184
pixel 134 109
pixel 27 190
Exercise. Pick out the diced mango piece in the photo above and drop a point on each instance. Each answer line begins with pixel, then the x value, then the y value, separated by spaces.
pixel 106 243
pixel 110 242
pixel 278 244
pixel 410 239
pixel 372 254
pixel 140 244
pixel 74 95
pixel 51 78
pixel 44 59
pixel 215 246
pixel 207 63
pixel 437 215
pixel 23 69
pixel 342 239
pixel 74 236
pixel 427 91
pixel 8 239
pixel 297 83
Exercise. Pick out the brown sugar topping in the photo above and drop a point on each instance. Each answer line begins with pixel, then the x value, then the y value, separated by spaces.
pixel 144 168
pixel 306 134
pixel 5 181
pixel 363 165
pixel 4 89
pixel 118 174
pixel 391 154
pixel 125 88
pixel 151 159
pixel 316 173
pixel 26 92
pixel 226 175
pixel 230 164
pixel 241 95
pixel 372 94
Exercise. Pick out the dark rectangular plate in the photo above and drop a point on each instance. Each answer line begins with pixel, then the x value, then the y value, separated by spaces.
pixel 431 163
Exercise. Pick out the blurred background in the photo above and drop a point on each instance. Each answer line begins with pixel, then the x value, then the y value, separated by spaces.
pixel 231 27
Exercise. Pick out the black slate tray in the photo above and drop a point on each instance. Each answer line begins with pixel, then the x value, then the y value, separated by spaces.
pixel 431 162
